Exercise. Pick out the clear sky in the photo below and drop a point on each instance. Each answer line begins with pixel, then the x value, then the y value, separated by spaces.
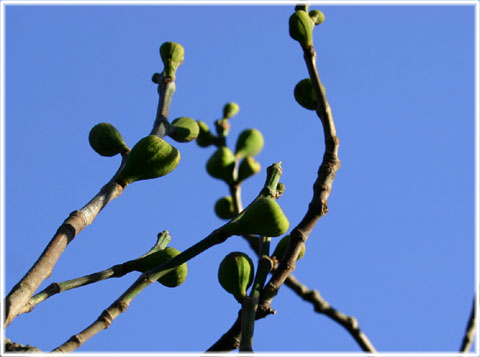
pixel 396 249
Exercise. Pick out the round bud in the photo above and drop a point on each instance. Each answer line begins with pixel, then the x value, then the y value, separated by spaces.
pixel 224 208
pixel 282 247
pixel 230 109
pixel 172 55
pixel 221 164
pixel 205 137
pixel 249 143
pixel 304 94
pixel 263 217
pixel 317 16
pixel 235 274
pixel 106 140
pixel 174 278
pixel 248 167
pixel 185 129
pixel 280 189
pixel 150 158
pixel 301 28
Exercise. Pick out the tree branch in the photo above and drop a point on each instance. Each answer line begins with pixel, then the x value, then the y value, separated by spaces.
pixel 323 307
pixel 17 347
pixel 468 338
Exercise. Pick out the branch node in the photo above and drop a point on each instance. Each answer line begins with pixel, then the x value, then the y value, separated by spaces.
pixel 107 318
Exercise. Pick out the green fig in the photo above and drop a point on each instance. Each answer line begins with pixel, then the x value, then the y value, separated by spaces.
pixel 172 55
pixel 185 129
pixel 106 140
pixel 224 208
pixel 263 217
pixel 303 7
pixel 205 137
pixel 282 247
pixel 248 167
pixel 230 109
pixel 301 28
pixel 174 278
pixel 235 274
pixel 317 16
pixel 150 158
pixel 304 94
pixel 249 143
pixel 221 164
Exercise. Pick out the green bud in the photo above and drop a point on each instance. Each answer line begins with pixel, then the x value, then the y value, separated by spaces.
pixel 301 28
pixel 224 208
pixel 235 274
pixel 172 55
pixel 174 278
pixel 304 94
pixel 205 137
pixel 150 158
pixel 282 247
pixel 230 109
pixel 106 140
pixel 249 143
pixel 263 217
pixel 280 189
pixel 221 164
pixel 248 167
pixel 185 129
pixel 317 16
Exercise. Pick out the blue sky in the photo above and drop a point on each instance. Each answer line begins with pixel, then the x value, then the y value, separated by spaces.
pixel 396 249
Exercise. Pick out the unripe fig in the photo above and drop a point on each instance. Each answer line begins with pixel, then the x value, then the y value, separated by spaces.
pixel 248 167
pixel 301 28
pixel 221 164
pixel 230 109
pixel 205 137
pixel 235 274
pixel 150 158
pixel 185 130
pixel 106 140
pixel 317 16
pixel 172 55
pixel 282 247
pixel 224 208
pixel 304 94
pixel 249 143
pixel 263 217
pixel 174 278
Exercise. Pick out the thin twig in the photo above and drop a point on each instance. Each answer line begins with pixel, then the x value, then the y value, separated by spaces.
pixel 323 307
pixel 468 338
pixel 123 302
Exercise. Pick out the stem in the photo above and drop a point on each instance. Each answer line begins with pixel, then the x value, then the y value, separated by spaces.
pixel 42 268
pixel 123 302
pixel 322 187
pixel 115 271
pixel 250 304
pixel 467 341
pixel 166 89
pixel 323 307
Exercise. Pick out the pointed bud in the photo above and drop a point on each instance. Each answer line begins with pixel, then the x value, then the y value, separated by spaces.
pixel 221 164
pixel 205 137
pixel 248 167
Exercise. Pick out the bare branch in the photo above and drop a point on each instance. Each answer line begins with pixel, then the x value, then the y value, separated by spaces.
pixel 323 307
pixel 470 331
